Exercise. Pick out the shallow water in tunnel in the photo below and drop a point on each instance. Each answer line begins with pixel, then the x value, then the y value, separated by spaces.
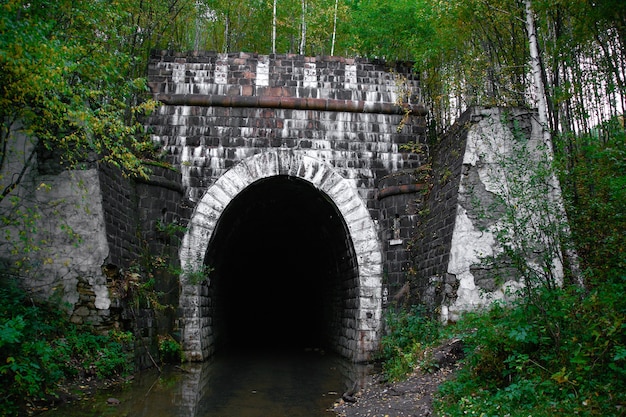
pixel 303 383
pixel 283 268
pixel 277 278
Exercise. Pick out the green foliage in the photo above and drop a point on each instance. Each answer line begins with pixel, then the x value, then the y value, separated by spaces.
pixel 39 348
pixel 558 350
pixel 564 360
pixel 408 336
pixel 246 25
pixel 384 29
pixel 68 88
pixel 102 356
pixel 170 351
pixel 171 230
pixel 594 183
pixel 197 276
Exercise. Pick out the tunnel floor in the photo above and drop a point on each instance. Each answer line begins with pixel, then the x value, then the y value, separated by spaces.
pixel 276 253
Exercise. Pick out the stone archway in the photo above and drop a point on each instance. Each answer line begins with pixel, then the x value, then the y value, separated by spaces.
pixel 359 333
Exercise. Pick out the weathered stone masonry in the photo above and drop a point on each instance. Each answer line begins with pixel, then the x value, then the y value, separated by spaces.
pixel 230 121
pixel 289 176
pixel 133 209
pixel 233 123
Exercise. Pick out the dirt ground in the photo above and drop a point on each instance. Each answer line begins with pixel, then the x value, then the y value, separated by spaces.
pixel 410 397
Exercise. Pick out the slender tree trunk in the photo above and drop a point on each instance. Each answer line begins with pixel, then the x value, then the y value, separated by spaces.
pixel 612 57
pixel 552 101
pixel 227 33
pixel 196 38
pixel 303 28
pixel 332 46
pixel 571 257
pixel 274 28
pixel 535 65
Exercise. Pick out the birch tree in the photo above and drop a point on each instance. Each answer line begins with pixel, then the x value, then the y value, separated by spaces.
pixel 535 65
pixel 542 109
pixel 332 46
pixel 274 27
pixel 303 26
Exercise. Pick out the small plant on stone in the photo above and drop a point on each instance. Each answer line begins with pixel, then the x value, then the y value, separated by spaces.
pixel 170 351
pixel 170 231
pixel 195 276
pixel 403 94
pixel 446 175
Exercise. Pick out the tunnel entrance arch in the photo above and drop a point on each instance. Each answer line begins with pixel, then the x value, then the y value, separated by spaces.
pixel 341 254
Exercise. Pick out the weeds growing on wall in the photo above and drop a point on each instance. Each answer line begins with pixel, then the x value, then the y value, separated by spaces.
pixel 170 350
pixel 139 286
pixel 40 349
pixel 526 214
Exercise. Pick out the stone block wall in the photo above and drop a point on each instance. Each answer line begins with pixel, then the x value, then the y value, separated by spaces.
pixel 342 111
pixel 229 120
pixel 287 75
pixel 400 198
pixel 503 153
pixel 221 110
pixel 144 223
pixel 119 201
pixel 455 238
pixel 434 222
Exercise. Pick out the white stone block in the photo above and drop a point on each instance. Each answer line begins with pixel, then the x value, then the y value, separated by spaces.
pixel 350 77
pixel 219 195
pixel 221 74
pixel 262 74
pixel 310 75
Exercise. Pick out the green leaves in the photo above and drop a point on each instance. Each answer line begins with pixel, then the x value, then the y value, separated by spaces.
pixel 384 29
pixel 11 330
pixel 523 334
pixel 409 334
pixel 66 76
pixel 593 175
pixel 568 357
pixel 39 348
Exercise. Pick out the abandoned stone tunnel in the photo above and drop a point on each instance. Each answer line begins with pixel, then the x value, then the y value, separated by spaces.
pixel 290 179
pixel 281 259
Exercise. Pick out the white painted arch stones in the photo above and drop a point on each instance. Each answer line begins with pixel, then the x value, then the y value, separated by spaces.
pixel 360 326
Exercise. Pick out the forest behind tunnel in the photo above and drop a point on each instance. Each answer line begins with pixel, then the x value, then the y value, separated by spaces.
pixel 279 254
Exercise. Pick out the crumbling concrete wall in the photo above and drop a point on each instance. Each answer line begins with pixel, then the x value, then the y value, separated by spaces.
pixel 476 275
pixel 54 239
pixel 72 237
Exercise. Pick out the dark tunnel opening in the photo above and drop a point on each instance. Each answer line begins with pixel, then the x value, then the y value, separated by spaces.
pixel 278 254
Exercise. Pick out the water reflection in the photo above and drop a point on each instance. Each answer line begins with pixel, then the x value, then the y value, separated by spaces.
pixel 242 384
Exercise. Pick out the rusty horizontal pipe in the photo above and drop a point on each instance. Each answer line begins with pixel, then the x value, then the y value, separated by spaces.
pixel 401 189
pixel 296 103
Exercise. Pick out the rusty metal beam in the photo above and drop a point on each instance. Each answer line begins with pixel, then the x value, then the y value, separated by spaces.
pixel 401 189
pixel 295 103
